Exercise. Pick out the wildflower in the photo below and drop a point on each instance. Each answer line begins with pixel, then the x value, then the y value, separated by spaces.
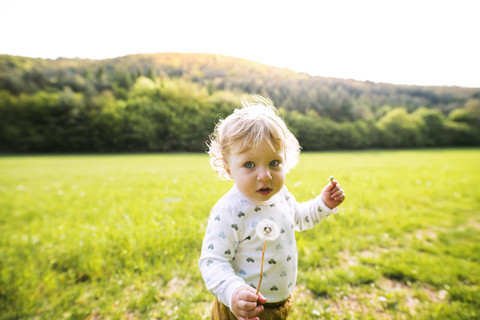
pixel 330 179
pixel 266 230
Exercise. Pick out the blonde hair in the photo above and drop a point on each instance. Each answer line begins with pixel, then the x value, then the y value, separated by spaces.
pixel 257 121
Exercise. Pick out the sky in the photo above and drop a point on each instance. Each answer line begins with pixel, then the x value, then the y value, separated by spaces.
pixel 414 42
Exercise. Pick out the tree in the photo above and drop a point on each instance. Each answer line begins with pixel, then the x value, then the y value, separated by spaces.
pixel 467 130
pixel 432 127
pixel 399 129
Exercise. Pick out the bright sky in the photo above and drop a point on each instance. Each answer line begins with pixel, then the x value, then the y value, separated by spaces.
pixel 420 42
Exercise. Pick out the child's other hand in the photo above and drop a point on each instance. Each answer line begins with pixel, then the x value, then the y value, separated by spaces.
pixel 244 303
pixel 332 194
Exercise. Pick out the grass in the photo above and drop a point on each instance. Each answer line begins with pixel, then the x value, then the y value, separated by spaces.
pixel 118 237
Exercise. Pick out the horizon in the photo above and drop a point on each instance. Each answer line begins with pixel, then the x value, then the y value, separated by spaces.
pixel 346 79
pixel 431 43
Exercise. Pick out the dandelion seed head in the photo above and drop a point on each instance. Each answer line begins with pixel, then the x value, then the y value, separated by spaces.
pixel 267 230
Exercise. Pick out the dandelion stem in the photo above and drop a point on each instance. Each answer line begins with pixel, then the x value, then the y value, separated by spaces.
pixel 261 268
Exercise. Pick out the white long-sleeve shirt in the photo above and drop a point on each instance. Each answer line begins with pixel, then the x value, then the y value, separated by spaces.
pixel 232 251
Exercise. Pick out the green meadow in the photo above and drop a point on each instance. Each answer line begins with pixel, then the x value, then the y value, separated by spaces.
pixel 119 236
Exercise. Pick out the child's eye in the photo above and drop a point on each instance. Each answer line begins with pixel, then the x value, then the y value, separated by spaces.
pixel 249 165
pixel 274 163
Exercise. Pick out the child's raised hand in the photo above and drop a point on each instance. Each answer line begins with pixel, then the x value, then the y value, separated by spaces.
pixel 244 303
pixel 332 194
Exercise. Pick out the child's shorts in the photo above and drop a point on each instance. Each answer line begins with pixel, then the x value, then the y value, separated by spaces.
pixel 272 311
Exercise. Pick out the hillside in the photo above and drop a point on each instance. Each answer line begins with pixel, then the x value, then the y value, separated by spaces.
pixel 170 102
pixel 339 99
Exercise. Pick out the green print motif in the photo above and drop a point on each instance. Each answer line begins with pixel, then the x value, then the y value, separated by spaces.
pixel 234 226
pixel 209 262
pixel 289 258
pixel 274 288
pixel 271 261
pixel 228 252
pixel 283 274
pixel 250 260
pixel 257 209
pixel 217 218
pixel 241 214
pixel 307 220
pixel 279 246
pixel 211 247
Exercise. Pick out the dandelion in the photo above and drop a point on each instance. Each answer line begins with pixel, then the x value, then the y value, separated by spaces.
pixel 268 231
pixel 331 180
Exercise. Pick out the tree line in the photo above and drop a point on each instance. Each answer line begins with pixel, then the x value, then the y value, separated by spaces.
pixel 171 102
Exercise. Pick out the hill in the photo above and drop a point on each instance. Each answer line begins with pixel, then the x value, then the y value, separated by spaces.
pixel 338 99
pixel 137 102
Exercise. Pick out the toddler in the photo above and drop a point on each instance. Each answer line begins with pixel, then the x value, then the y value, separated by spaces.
pixel 252 227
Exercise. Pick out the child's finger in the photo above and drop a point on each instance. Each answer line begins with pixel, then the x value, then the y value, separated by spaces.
pixel 333 185
pixel 249 294
pixel 247 305
pixel 261 299
pixel 338 195
pixel 251 312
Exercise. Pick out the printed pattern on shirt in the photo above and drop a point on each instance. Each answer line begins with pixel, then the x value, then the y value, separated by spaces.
pixel 231 252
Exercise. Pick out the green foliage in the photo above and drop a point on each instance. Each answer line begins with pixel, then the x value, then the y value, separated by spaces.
pixel 170 102
pixel 399 130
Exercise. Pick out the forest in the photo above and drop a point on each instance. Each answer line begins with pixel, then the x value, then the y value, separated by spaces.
pixel 170 102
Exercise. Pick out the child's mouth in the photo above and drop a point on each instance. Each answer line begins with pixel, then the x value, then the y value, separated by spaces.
pixel 264 191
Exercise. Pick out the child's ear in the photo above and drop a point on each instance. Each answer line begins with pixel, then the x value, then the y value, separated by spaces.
pixel 226 166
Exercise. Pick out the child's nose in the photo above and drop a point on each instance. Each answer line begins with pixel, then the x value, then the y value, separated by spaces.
pixel 264 174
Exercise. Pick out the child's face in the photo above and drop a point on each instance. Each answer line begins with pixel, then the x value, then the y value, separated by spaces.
pixel 259 173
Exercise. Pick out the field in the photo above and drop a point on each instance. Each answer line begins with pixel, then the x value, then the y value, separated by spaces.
pixel 119 236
